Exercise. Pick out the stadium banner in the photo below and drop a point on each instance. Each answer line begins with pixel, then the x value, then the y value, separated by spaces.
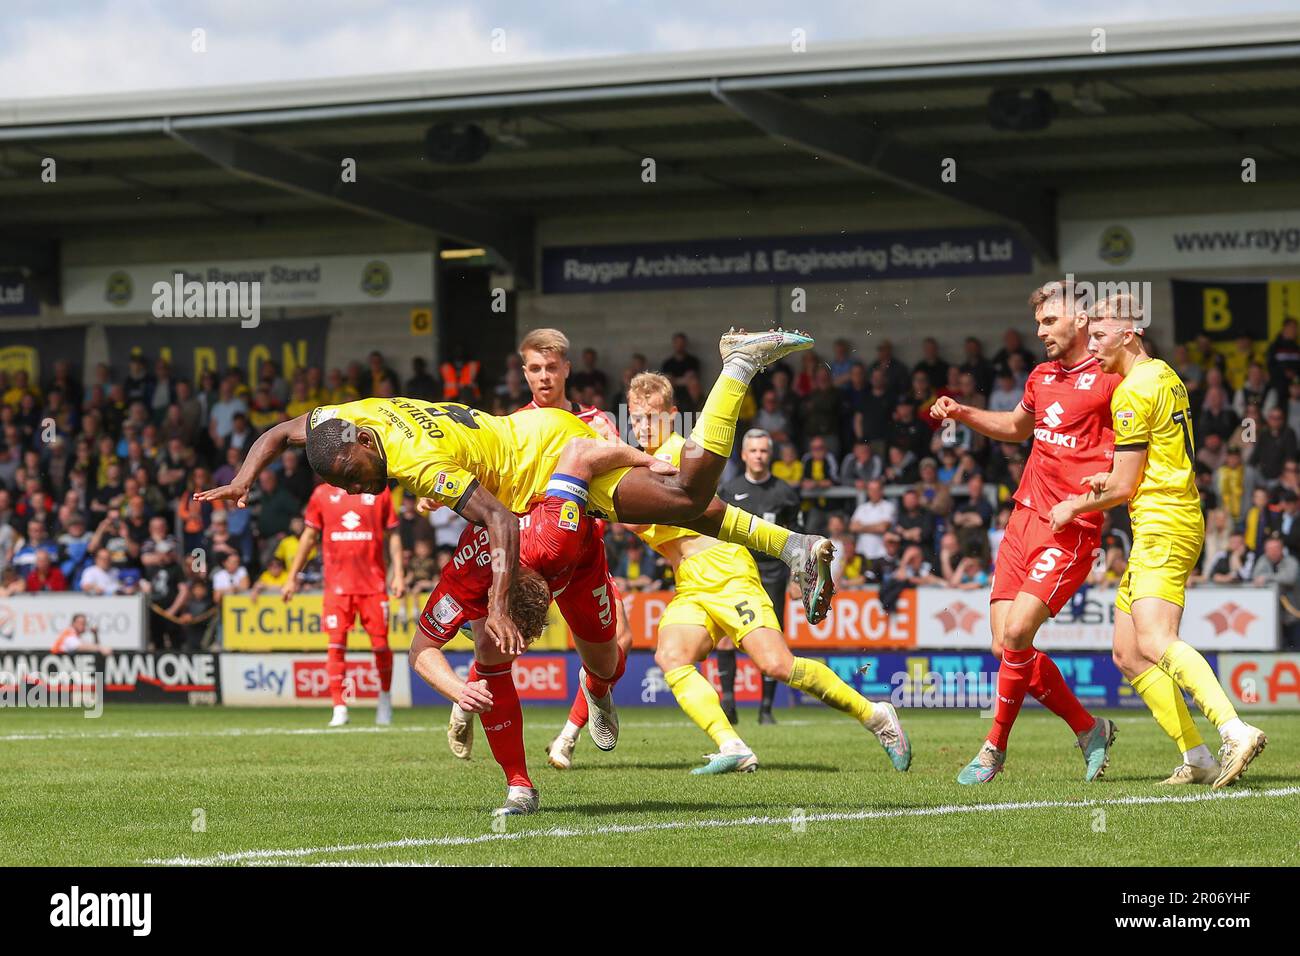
pixel 1262 681
pixel 288 282
pixel 301 680
pixel 215 346
pixel 35 351
pixel 1212 241
pixel 856 620
pixel 1214 619
pixel 1227 310
pixel 266 623
pixel 907 678
pixel 18 295
pixel 773 260
pixel 552 678
pixel 33 621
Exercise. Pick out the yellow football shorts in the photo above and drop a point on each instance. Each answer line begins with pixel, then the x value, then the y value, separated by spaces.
pixel 719 590
pixel 542 434
pixel 1158 567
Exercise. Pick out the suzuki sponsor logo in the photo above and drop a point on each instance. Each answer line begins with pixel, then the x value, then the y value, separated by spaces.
pixel 1052 415
pixel 352 519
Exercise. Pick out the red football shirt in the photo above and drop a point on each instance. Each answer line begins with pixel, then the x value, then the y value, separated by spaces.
pixel 1072 433
pixel 352 538
pixel 554 538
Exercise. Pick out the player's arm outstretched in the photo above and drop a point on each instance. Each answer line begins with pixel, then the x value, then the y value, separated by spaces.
pixel 1106 489
pixel 262 452
pixel 1013 426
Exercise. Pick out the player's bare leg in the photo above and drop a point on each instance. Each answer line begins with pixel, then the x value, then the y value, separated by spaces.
pixel 559 754
pixel 678 648
pixel 1165 701
pixel 1027 671
pixel 770 653
pixel 1156 623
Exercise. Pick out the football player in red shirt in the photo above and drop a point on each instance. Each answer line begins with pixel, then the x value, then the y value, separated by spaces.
pixel 562 543
pixel 352 530
pixel 545 357
pixel 1066 408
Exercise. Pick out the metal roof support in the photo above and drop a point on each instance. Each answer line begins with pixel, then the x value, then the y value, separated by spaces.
pixel 1031 211
pixel 511 239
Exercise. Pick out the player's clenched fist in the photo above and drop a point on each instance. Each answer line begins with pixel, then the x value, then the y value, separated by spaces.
pixel 945 406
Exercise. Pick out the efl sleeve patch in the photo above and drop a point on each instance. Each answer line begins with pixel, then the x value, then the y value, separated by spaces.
pixel 570 516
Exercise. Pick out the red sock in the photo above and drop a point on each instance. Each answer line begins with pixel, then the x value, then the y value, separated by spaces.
pixel 1049 688
pixel 334 669
pixel 578 712
pixel 383 661
pixel 504 723
pixel 1013 682
pixel 599 687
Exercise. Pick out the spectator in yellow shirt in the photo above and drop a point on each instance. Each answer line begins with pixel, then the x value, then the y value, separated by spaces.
pixel 789 469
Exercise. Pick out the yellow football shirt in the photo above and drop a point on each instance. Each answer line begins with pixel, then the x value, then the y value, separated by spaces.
pixel 1151 411
pixel 440 449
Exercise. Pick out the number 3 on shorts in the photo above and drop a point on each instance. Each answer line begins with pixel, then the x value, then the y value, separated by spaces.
pixel 1046 563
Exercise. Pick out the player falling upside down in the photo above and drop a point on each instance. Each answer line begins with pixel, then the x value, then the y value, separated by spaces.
pixel 1066 408
pixel 490 469
pixel 351 530
pixel 562 544
pixel 544 354
pixel 1153 474
pixel 719 594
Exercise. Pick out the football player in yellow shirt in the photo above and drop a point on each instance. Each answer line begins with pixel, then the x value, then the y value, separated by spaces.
pixel 719 594
pixel 490 469
pixel 1153 473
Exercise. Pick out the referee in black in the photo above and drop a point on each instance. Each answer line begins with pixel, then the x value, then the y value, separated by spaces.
pixel 759 492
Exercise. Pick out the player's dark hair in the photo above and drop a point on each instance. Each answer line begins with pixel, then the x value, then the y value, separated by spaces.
pixel 530 598
pixel 327 442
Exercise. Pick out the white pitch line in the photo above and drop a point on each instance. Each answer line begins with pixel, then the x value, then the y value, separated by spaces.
pixel 298 731
pixel 263 857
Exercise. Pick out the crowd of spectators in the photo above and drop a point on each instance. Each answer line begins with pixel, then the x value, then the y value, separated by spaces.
pixel 96 478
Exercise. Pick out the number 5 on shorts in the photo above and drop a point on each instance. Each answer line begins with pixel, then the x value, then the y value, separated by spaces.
pixel 1046 563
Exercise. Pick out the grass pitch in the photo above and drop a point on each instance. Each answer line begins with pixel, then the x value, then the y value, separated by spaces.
pixel 160 783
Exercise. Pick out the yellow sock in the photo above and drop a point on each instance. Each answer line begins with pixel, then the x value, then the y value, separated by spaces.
pixel 815 678
pixel 741 527
pixel 1193 673
pixel 715 429
pixel 696 696
pixel 1159 692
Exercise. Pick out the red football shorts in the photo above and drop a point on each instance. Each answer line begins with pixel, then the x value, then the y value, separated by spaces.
pixel 587 601
pixel 339 610
pixel 1049 565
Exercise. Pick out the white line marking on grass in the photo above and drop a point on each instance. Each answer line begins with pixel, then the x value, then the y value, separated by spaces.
pixel 267 857
pixel 296 731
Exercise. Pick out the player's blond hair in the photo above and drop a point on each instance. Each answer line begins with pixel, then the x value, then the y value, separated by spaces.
pixel 648 385
pixel 1121 307
pixel 545 340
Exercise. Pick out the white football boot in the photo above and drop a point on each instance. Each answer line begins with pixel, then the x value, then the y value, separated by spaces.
pixel 340 715
pixel 460 733
pixel 602 722
pixel 519 802
pixel 560 753
pixel 384 710
pixel 762 349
